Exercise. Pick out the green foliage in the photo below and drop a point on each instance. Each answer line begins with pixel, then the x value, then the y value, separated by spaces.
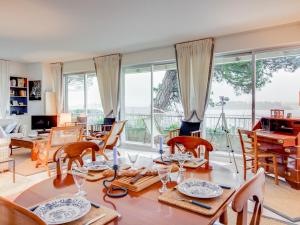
pixel 239 74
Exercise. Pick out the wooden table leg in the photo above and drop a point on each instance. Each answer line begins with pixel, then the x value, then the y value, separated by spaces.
pixel 34 152
pixel 224 217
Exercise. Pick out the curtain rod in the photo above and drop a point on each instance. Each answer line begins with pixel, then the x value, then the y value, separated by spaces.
pixel 107 55
pixel 196 40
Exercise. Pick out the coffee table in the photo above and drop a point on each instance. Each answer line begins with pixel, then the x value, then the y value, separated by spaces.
pixel 29 143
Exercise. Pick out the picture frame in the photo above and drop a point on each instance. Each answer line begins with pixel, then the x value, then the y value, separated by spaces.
pixel 35 90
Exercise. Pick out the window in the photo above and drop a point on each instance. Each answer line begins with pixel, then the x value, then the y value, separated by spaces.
pixel 232 79
pixel 277 78
pixel 151 102
pixel 82 96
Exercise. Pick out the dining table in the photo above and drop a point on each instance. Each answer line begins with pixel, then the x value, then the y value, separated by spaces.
pixel 137 208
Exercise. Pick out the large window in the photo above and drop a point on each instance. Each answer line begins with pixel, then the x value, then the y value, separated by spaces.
pixel 277 86
pixel 151 102
pixel 82 96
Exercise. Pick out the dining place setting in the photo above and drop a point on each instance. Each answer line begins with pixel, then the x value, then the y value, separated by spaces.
pixel 131 180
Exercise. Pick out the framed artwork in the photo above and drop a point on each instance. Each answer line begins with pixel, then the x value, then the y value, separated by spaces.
pixel 35 90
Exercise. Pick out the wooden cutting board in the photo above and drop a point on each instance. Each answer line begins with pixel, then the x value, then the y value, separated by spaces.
pixel 141 184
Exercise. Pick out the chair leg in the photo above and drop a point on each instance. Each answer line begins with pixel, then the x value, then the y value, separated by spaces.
pixel 224 217
pixel 275 170
pixel 245 170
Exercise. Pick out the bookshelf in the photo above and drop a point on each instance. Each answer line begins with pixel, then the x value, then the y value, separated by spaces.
pixel 18 95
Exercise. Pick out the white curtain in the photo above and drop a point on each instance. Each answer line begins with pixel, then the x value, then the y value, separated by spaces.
pixel 57 85
pixel 108 75
pixel 194 62
pixel 4 88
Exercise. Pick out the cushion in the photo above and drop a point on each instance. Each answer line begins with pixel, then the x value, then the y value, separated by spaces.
pixel 2 133
pixel 17 128
pixel 10 127
pixel 109 121
pixel 188 127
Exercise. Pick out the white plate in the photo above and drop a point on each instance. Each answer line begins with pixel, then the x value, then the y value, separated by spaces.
pixel 97 165
pixel 199 188
pixel 63 210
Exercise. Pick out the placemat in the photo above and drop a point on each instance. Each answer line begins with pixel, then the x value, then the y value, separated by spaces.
pixel 92 175
pixel 171 197
pixel 189 164
pixel 110 215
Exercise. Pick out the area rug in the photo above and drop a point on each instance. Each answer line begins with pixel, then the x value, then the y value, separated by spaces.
pixel 25 166
pixel 282 200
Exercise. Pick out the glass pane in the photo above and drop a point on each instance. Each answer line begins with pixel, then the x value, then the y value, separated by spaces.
pixel 138 104
pixel 75 94
pixel 167 111
pixel 277 82
pixel 232 79
pixel 94 107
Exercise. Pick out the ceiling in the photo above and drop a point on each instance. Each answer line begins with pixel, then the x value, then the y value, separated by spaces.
pixel 63 30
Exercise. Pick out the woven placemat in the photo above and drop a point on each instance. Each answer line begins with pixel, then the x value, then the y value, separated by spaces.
pixel 189 164
pixel 92 175
pixel 171 197
pixel 110 215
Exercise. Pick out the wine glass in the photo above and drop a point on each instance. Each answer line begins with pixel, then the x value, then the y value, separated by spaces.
pixel 164 173
pixel 181 160
pixel 133 158
pixel 79 176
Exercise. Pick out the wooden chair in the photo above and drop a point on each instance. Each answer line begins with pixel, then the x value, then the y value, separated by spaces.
pixel 58 137
pixel 191 144
pixel 12 214
pixel 109 140
pixel 254 190
pixel 74 152
pixel 251 153
pixel 186 129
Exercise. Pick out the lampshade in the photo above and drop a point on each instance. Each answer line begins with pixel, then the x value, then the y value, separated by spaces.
pixel 64 118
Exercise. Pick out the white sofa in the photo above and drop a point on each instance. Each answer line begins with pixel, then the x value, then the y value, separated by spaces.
pixel 18 131
pixel 4 152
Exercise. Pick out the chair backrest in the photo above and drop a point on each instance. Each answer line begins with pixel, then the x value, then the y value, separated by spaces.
pixel 63 135
pixel 147 122
pixel 190 144
pixel 187 127
pixel 73 152
pixel 12 214
pixel 109 121
pixel 254 190
pixel 248 141
pixel 115 132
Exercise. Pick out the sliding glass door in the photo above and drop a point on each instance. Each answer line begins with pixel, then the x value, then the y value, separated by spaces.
pixel 232 79
pixel 151 102
pixel 278 82
pixel 137 102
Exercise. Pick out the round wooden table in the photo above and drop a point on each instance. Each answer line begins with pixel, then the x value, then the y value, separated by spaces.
pixel 140 208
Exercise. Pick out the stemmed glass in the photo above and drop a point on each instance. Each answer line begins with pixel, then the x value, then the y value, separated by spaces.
pixel 79 176
pixel 164 173
pixel 133 158
pixel 181 160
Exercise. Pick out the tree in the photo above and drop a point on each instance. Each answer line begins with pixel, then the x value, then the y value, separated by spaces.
pixel 238 74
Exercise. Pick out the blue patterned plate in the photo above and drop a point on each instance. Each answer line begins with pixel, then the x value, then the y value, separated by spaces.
pixel 199 188
pixel 63 210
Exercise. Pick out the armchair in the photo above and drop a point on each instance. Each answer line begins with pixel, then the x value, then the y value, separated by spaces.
pixel 186 129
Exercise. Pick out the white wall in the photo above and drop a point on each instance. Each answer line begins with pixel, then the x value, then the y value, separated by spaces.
pixel 280 36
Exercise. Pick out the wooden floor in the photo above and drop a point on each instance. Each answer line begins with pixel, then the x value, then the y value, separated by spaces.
pixel 11 190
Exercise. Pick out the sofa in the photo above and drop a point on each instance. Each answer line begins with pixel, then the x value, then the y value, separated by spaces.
pixel 4 152
pixel 13 128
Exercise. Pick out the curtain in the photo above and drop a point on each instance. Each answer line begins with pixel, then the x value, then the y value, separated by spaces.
pixel 4 88
pixel 57 85
pixel 108 75
pixel 194 62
